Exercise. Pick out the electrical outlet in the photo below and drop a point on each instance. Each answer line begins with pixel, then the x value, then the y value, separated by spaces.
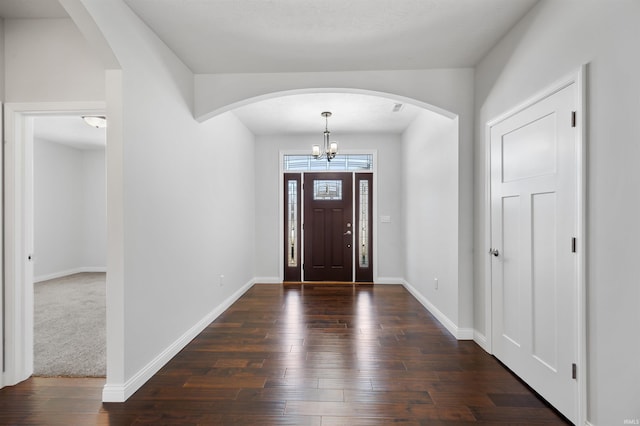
pixel 221 280
pixel 435 281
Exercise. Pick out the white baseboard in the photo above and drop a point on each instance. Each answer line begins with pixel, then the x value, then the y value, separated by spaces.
pixel 481 340
pixel 121 392
pixel 68 272
pixel 388 280
pixel 267 280
pixel 457 332
pixel 465 333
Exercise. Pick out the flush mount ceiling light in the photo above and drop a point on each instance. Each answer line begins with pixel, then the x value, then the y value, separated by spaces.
pixel 97 121
pixel 329 149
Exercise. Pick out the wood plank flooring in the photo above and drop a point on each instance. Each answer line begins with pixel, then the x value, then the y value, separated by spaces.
pixel 304 355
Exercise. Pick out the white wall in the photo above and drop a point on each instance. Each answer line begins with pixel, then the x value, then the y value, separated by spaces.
pixel 389 245
pixel 49 60
pixel 70 217
pixel 94 223
pixel 58 209
pixel 430 197
pixel 553 40
pixel 180 198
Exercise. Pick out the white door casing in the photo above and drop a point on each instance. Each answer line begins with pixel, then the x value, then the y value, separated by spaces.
pixel 534 270
pixel 18 230
pixel 18 244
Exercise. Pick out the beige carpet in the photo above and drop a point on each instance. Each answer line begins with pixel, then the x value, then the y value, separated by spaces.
pixel 70 326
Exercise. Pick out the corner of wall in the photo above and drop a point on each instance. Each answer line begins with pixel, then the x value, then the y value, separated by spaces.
pixel 460 333
pixel 481 340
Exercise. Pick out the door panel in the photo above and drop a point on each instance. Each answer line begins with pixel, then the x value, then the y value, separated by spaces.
pixel 544 263
pixel 511 300
pixel 317 241
pixel 328 254
pixel 533 219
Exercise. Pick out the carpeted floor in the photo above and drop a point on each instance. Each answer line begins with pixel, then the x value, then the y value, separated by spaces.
pixel 70 326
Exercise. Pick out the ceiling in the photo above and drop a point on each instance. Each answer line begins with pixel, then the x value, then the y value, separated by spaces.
pixel 229 36
pixel 31 9
pixel 250 36
pixel 350 113
pixel 217 36
pixel 70 131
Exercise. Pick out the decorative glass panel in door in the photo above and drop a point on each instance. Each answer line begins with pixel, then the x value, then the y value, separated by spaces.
pixel 364 222
pixel 292 269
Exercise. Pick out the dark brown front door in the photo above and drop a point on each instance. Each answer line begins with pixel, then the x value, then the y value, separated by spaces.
pixel 328 227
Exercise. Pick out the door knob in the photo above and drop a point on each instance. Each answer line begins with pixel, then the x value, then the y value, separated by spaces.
pixel 347 233
pixel 494 252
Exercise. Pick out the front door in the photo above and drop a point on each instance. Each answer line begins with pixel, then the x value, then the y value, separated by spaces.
pixel 328 227
pixel 533 223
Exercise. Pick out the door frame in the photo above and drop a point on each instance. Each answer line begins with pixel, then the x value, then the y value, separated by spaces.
pixel 17 219
pixel 577 78
pixel 281 198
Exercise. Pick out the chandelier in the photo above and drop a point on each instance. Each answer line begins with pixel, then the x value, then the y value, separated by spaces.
pixel 329 149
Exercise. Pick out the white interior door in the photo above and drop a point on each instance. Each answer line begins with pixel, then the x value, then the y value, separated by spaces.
pixel 534 267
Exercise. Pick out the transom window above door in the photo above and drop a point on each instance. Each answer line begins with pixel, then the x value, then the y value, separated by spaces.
pixel 342 163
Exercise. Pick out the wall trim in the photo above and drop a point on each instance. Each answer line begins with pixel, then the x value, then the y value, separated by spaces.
pixel 389 280
pixel 465 333
pixel 457 332
pixel 120 392
pixel 267 280
pixel 68 272
pixel 481 340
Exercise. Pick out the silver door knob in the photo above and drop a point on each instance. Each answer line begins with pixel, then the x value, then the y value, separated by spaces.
pixel 494 252
pixel 347 233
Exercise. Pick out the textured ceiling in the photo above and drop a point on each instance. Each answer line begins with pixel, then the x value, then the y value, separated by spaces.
pixel 218 36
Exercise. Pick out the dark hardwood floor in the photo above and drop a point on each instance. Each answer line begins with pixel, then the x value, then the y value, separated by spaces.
pixel 304 355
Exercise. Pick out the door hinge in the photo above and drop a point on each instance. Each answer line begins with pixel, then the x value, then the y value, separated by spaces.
pixel 574 118
pixel 574 245
pixel 574 371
